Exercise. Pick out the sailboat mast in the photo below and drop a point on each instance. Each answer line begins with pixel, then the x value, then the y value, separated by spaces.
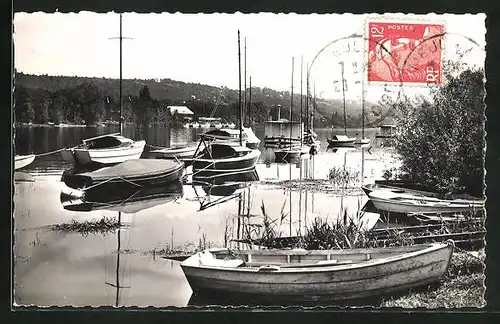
pixel 313 104
pixel 363 106
pixel 250 104
pixel 343 96
pixel 239 87
pixel 301 110
pixel 291 104
pixel 245 81
pixel 121 113
pixel 307 98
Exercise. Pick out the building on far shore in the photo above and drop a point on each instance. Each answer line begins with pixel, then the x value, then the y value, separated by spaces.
pixel 183 111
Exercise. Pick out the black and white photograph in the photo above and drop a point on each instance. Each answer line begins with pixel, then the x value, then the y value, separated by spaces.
pixel 181 160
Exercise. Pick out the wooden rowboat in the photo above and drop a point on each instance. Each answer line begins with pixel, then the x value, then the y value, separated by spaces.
pixel 404 203
pixel 316 275
pixel 21 161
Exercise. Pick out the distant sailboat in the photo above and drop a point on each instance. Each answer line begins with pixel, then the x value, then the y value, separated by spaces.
pixel 291 152
pixel 216 158
pixel 363 140
pixel 342 140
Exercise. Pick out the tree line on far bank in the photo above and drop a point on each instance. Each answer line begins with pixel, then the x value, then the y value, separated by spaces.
pixel 77 100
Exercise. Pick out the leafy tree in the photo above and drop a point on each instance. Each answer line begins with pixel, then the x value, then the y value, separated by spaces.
pixel 441 141
pixel 23 109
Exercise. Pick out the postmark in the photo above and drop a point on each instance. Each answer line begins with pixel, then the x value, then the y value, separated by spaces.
pixel 404 52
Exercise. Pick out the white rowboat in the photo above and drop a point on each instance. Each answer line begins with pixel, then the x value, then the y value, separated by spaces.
pixel 405 203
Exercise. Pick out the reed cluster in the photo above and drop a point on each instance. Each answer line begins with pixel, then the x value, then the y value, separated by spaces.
pixel 102 226
pixel 344 177
pixel 346 234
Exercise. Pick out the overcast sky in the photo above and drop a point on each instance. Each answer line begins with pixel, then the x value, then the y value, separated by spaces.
pixel 202 48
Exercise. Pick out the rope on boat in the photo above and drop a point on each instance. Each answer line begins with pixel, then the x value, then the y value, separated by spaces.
pixel 155 147
pixel 53 152
pixel 200 170
pixel 115 178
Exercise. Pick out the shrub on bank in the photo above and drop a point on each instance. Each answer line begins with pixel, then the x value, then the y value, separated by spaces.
pixel 441 140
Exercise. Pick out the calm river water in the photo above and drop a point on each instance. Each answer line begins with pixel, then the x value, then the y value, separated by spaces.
pixel 63 268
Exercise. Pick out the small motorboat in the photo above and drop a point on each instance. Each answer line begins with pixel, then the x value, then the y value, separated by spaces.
pixel 229 134
pixel 21 161
pixel 405 203
pixel 341 140
pixel 223 158
pixel 322 275
pixel 104 149
pixel 180 152
pixel 132 173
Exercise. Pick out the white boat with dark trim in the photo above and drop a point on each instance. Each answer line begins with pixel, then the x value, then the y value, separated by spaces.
pixel 320 275
pixel 21 161
pixel 104 149
pixel 221 158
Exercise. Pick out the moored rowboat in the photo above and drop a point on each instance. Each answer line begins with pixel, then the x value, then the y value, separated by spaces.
pixel 316 275
pixel 404 203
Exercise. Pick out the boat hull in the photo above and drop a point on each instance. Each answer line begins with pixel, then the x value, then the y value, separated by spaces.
pixel 217 166
pixel 180 153
pixel 144 173
pixel 21 161
pixel 106 156
pixel 342 143
pixel 353 281
pixel 403 203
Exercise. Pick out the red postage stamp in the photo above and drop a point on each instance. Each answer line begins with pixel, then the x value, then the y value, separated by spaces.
pixel 400 52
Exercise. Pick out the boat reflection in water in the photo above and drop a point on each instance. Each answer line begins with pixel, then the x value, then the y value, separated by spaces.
pixel 128 201
pixel 131 200
pixel 222 188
